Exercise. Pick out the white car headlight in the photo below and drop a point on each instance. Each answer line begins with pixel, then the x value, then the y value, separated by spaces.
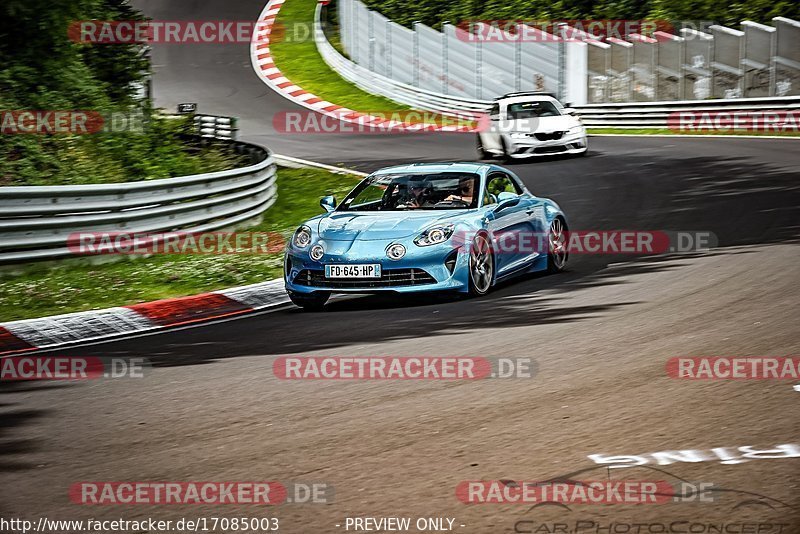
pixel 302 237
pixel 434 235
pixel 395 251
pixel 518 135
pixel 317 252
pixel 575 130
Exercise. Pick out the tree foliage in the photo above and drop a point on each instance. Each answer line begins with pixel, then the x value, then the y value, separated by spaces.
pixel 435 12
pixel 41 69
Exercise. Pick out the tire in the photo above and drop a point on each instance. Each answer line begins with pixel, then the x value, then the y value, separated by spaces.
pixel 310 302
pixel 557 253
pixel 482 153
pixel 506 156
pixel 481 266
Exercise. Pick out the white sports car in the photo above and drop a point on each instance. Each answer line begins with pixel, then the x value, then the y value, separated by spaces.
pixel 523 125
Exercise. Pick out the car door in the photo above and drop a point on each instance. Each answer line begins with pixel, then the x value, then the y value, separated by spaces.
pixel 510 221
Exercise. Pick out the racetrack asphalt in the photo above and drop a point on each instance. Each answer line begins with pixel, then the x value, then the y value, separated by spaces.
pixel 601 334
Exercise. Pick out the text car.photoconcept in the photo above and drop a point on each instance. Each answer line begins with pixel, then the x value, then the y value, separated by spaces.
pixel 425 227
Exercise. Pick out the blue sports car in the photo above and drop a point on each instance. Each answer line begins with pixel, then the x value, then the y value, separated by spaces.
pixel 425 227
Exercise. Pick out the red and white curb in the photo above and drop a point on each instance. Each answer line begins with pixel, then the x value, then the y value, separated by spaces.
pixel 270 74
pixel 81 327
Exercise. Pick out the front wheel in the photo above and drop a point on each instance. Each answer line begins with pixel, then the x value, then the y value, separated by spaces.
pixel 481 266
pixel 311 301
pixel 557 253
pixel 482 153
pixel 506 155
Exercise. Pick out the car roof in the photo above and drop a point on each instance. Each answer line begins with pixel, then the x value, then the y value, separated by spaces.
pixel 528 98
pixel 435 167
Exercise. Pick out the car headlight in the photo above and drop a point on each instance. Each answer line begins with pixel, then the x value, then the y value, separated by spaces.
pixel 302 237
pixel 317 252
pixel 518 135
pixel 434 235
pixel 395 251
pixel 575 130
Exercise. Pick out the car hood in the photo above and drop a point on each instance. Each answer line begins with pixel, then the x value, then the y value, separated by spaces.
pixel 374 226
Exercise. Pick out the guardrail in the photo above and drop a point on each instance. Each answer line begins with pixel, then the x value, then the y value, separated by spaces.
pixel 37 221
pixel 611 115
pixel 655 114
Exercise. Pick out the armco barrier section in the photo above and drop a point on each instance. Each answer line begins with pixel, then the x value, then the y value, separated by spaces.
pixel 757 60
pixel 37 221
pixel 655 114
pixel 620 61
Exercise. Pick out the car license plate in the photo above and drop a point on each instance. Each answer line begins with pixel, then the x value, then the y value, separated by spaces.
pixel 353 271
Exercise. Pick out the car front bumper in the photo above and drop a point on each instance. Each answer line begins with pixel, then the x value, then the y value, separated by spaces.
pixel 421 269
pixel 527 147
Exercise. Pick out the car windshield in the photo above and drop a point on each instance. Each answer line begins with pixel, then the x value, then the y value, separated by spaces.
pixel 417 191
pixel 532 110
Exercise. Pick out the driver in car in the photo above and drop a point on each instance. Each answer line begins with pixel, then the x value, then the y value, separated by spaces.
pixel 465 192
pixel 415 197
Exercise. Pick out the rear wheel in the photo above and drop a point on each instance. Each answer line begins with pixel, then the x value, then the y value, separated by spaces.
pixel 481 266
pixel 557 254
pixel 311 301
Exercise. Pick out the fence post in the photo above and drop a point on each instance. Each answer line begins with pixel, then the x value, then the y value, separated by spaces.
pixel 445 61
pixel 562 60
pixel 390 52
pixel 371 37
pixel 415 70
pixel 518 62
pixel 479 69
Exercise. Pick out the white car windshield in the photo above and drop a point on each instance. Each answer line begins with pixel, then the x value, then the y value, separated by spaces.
pixel 532 110
pixel 416 191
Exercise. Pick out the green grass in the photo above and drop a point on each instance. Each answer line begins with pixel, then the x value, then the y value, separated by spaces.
pixel 667 131
pixel 72 286
pixel 301 63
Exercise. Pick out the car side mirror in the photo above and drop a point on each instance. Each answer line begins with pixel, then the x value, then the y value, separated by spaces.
pixel 328 203
pixel 506 200
pixel 569 111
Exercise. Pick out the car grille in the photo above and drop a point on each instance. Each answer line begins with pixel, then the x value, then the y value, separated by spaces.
pixel 550 149
pixel 389 278
pixel 551 136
